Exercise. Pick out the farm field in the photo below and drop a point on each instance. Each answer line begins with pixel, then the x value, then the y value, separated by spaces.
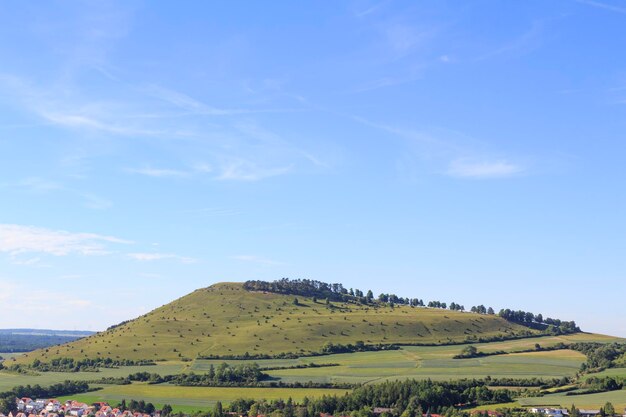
pixel 195 398
pixel 423 363
pixel 433 362
pixel 594 401
pixel 419 362
pixel 614 372
pixel 9 380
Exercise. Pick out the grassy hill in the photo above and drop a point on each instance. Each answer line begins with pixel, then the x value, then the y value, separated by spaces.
pixel 225 319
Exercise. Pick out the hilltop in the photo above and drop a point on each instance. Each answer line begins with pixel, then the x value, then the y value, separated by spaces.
pixel 226 320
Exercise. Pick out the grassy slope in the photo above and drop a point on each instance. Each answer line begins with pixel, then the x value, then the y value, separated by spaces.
pixel 225 319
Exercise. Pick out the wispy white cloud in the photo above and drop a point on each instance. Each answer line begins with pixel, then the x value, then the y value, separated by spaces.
pixel 461 156
pixel 17 239
pixel 34 185
pixel 95 202
pixel 239 169
pixel 37 308
pixel 483 169
pixel 605 6
pixel 26 262
pixel 212 212
pixel 154 256
pixel 189 104
pixel 260 260
pixel 45 186
pixel 522 44
pixel 160 172
pixel 372 9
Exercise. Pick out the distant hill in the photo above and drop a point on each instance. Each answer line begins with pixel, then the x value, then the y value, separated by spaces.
pixel 227 320
pixel 26 340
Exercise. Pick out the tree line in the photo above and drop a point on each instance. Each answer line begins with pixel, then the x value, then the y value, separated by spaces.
pixel 408 398
pixel 337 292
pixel 82 365
pixel 222 375
pixel 529 319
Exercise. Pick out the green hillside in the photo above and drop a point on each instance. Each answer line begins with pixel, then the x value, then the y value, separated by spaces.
pixel 225 319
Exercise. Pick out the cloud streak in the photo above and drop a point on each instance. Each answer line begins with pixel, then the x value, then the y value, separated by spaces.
pixel 17 239
pixel 483 169
pixel 600 5
pixel 153 256
pixel 462 158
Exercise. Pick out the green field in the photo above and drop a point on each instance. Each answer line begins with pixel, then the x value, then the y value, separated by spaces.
pixel 9 380
pixel 225 319
pixel 615 372
pixel 594 401
pixel 434 362
pixel 195 398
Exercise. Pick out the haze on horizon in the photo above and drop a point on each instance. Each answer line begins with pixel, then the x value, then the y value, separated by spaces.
pixel 470 153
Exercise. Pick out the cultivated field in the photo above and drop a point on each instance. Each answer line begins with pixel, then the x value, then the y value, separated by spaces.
pixel 195 398
pixel 9 380
pixel 434 362
pixel 594 401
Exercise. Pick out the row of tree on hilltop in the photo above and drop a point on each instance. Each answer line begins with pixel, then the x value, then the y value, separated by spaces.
pixel 337 292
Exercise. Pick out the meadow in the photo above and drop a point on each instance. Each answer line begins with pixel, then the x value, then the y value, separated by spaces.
pixel 9 380
pixel 593 401
pixel 419 362
pixel 196 398
pixel 433 362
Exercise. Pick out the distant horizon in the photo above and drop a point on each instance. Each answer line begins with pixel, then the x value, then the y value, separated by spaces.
pixel 471 153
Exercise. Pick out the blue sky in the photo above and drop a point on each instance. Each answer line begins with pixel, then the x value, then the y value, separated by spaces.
pixel 469 152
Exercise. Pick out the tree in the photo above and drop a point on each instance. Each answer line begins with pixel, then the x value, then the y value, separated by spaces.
pixel 8 405
pixel 166 411
pixel 469 351
pixel 574 412
pixel 149 408
pixel 370 295
pixel 609 410
pixel 218 410
pixel 289 410
pixel 295 301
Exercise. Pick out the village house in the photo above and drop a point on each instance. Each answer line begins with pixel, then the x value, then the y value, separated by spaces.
pixel 22 403
pixel 589 413
pixel 53 406
pixel 551 412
